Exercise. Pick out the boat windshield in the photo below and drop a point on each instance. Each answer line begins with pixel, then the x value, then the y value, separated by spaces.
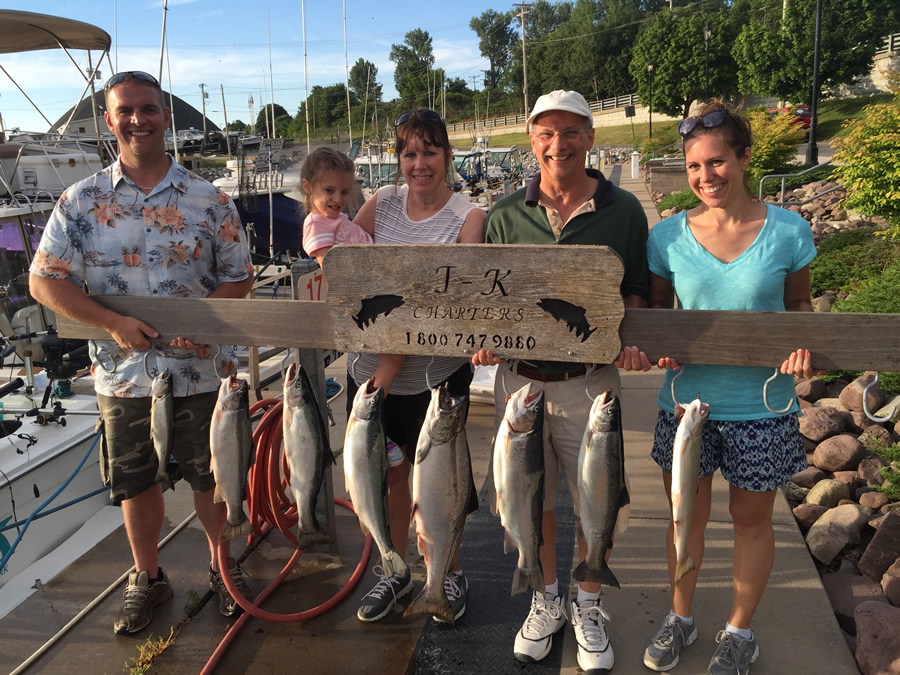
pixel 19 238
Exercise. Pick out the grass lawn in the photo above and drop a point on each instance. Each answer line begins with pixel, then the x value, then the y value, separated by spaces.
pixel 832 114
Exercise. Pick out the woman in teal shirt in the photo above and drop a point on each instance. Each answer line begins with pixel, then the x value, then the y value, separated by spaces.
pixel 731 252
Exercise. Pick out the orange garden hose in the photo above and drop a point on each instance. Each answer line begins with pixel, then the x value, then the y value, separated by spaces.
pixel 269 507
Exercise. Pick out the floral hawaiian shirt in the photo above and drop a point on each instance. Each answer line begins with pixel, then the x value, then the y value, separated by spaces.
pixel 183 240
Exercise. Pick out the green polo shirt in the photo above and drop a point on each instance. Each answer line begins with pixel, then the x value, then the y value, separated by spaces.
pixel 616 220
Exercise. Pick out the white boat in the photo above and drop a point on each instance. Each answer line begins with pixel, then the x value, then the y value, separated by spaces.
pixel 50 484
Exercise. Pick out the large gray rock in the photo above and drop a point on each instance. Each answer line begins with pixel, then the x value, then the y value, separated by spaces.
pixel 794 493
pixel 852 394
pixel 808 477
pixel 846 592
pixel 817 424
pixel 884 549
pixel 834 530
pixel 812 389
pixel 839 453
pixel 878 638
pixel 828 493
pixel 890 584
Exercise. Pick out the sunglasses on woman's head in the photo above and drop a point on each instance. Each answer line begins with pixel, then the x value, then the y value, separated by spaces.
pixel 139 75
pixel 709 120
pixel 424 114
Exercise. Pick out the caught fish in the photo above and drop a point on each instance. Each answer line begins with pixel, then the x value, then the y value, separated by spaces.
pixel 231 445
pixel 162 423
pixel 443 496
pixel 308 452
pixel 685 476
pixel 366 472
pixel 518 465
pixel 602 491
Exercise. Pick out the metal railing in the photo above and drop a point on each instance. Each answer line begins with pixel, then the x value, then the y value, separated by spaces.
pixel 510 120
pixel 891 44
pixel 784 176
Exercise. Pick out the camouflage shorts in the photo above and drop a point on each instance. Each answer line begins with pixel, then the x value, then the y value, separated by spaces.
pixel 128 461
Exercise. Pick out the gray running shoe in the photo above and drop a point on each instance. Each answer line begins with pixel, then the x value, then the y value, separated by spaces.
pixel 456 587
pixel 378 602
pixel 662 652
pixel 733 655
pixel 140 598
pixel 228 606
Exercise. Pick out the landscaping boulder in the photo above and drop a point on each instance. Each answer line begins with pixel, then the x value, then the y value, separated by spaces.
pixel 852 394
pixel 884 549
pixel 807 514
pixel 828 493
pixel 836 529
pixel 869 470
pixel 811 389
pixel 878 638
pixel 846 592
pixel 890 584
pixel 808 477
pixel 874 435
pixel 839 453
pixel 820 423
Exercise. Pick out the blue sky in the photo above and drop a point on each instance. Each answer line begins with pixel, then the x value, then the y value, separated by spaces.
pixel 225 42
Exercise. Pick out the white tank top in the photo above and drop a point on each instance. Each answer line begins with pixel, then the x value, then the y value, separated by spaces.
pixel 393 226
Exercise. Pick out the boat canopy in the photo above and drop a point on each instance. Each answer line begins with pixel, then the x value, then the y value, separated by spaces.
pixel 27 31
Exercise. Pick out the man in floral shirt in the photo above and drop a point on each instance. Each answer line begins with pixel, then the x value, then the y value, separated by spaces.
pixel 146 226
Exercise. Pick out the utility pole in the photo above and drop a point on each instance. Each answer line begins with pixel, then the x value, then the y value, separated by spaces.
pixel 203 97
pixel 225 112
pixel 522 12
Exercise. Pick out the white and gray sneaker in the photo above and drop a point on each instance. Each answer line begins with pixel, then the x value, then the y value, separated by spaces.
pixel 595 654
pixel 662 653
pixel 535 638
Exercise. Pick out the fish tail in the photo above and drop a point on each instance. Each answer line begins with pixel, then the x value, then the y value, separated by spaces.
pixel 305 539
pixel 437 606
pixel 393 564
pixel 683 568
pixel 603 575
pixel 528 579
pixel 164 478
pixel 230 531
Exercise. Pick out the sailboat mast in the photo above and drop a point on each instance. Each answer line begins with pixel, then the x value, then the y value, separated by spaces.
pixel 347 74
pixel 305 77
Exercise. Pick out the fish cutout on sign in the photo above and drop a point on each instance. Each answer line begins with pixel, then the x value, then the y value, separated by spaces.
pixel 575 317
pixel 372 308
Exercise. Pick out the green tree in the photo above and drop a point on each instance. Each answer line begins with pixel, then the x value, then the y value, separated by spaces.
pixel 363 81
pixel 776 45
pixel 673 42
pixel 264 119
pixel 414 60
pixel 869 165
pixel 496 40
pixel 238 126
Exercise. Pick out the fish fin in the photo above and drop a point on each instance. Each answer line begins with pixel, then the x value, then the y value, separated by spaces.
pixel 684 568
pixel 531 579
pixel 412 513
pixel 422 448
pixel 166 479
pixel 438 607
pixel 393 564
pixel 604 575
pixel 508 544
pixel 472 506
pixel 217 496
pixel 307 539
pixel 230 531
pixel 420 546
pixel 495 497
pixel 329 454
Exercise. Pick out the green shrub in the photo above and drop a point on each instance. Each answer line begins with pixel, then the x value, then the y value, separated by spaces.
pixel 870 163
pixel 775 141
pixel 683 200
pixel 847 259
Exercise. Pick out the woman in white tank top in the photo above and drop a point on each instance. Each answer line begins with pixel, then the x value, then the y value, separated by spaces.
pixel 424 211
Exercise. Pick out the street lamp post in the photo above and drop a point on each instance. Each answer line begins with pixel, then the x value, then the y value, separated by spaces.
pixel 812 150
pixel 650 98
pixel 707 33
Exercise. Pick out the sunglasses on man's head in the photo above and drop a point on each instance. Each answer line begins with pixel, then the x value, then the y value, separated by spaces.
pixel 139 75
pixel 424 114
pixel 709 120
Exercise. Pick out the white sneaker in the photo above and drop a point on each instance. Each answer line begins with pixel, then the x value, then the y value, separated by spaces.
pixel 535 638
pixel 595 654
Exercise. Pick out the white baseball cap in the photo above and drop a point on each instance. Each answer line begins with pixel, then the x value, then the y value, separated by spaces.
pixel 569 101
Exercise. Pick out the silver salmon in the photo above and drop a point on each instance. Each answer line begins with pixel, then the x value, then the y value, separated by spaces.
pixel 602 491
pixel 366 472
pixel 162 423
pixel 518 465
pixel 308 453
pixel 685 476
pixel 231 445
pixel 443 496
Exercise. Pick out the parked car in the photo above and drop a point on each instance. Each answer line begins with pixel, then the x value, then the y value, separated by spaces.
pixel 802 115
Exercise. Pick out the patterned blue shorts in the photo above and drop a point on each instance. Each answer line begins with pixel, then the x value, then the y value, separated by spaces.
pixel 756 455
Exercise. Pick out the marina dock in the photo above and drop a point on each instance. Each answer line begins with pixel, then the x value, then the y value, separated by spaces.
pixel 795 625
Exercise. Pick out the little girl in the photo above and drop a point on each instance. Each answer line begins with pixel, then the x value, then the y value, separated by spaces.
pixel 328 177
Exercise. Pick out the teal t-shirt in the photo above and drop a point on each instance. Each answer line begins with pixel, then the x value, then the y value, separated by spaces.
pixel 754 281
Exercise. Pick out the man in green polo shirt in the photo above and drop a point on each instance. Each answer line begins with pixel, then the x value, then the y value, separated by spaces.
pixel 567 204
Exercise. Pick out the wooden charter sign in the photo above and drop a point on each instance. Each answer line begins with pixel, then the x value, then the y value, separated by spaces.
pixel 534 303
pixel 437 301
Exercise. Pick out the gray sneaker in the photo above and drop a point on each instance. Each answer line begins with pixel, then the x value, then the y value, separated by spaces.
pixel 662 652
pixel 456 587
pixel 378 602
pixel 733 655
pixel 140 598
pixel 228 606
